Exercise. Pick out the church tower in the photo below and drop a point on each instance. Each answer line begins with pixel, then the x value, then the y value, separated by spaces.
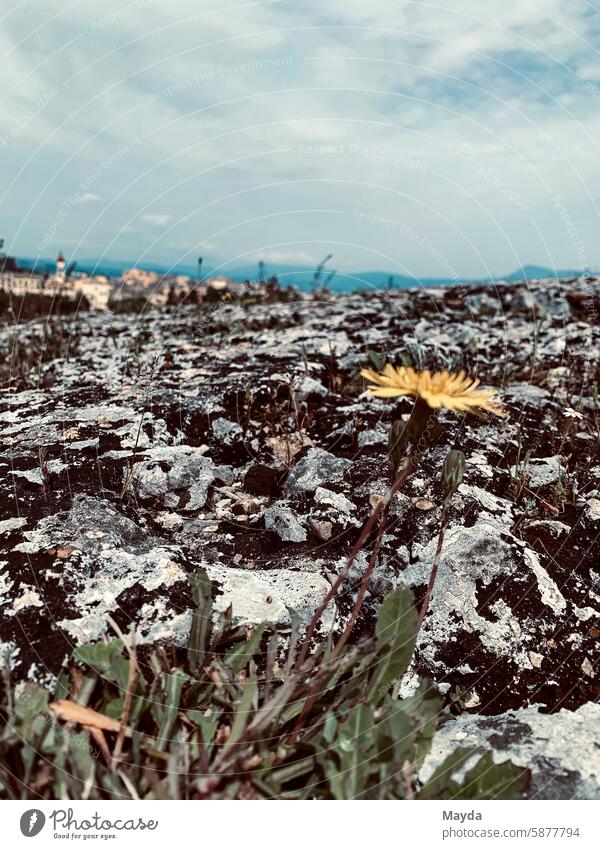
pixel 60 267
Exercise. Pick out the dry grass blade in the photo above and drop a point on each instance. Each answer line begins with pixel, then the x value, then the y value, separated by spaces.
pixel 127 702
pixel 72 712
pixel 100 740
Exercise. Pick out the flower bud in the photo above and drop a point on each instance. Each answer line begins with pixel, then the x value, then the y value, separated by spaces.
pixel 452 473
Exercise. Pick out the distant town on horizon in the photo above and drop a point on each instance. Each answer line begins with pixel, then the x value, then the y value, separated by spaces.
pixel 301 276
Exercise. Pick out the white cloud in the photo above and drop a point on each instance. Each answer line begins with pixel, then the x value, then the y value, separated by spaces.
pixel 202 114
pixel 156 219
pixel 286 257
pixel 87 197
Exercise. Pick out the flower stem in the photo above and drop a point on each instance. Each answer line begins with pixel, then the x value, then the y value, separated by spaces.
pixel 434 568
pixel 381 509
pixel 364 582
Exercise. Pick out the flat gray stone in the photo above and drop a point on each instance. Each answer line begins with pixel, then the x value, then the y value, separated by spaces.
pixel 284 521
pixel 314 469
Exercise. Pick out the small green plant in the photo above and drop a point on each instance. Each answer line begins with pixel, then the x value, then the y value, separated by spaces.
pixel 560 489
pixel 44 473
pixel 233 717
pixel 377 359
pixel 537 326
pixel 315 285
pixel 519 472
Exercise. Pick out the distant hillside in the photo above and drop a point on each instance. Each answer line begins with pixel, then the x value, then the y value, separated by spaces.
pixel 538 272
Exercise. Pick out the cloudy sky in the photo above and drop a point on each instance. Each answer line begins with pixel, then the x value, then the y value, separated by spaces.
pixel 402 136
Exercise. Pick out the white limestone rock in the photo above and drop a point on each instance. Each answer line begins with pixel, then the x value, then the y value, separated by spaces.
pixel 178 476
pixel 478 555
pixel 267 595
pixel 560 749
pixel 540 471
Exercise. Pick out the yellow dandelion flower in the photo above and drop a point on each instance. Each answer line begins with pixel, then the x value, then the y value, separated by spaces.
pixel 440 389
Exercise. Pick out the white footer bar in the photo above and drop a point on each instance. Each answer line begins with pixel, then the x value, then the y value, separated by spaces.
pixel 292 824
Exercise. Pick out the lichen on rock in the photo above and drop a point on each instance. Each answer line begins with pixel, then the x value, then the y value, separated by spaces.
pixel 253 452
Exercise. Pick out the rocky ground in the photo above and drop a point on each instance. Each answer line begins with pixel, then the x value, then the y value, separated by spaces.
pixel 238 437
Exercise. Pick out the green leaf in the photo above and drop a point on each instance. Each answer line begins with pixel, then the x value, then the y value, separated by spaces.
pixel 114 708
pixel 355 740
pixel 397 735
pixel 397 619
pixel 81 755
pixel 168 711
pixel 237 658
pixel 330 727
pixel 441 779
pixel 485 780
pixel 107 660
pixel 425 707
pixel 488 780
pixel 452 473
pixel 62 688
pixel 273 713
pixel 32 702
pixel 377 359
pixel 200 632
pixel 243 714
pixel 207 724
pixel 396 632
pixel 291 771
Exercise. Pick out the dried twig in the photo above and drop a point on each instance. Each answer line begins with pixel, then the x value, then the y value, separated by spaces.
pixel 452 475
pixel 131 680
pixel 127 701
